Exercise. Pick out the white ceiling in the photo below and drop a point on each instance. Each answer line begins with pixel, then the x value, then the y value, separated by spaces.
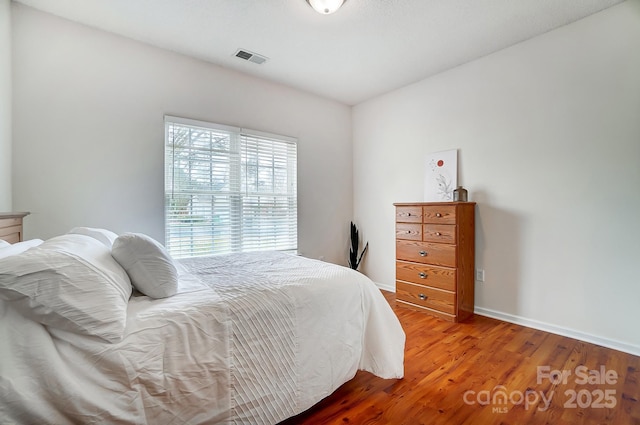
pixel 365 49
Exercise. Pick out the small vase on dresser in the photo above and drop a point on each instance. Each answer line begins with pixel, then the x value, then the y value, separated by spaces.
pixel 435 258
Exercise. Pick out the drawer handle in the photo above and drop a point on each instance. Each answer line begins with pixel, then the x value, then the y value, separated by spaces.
pixel 438 215
pixel 408 231
pixel 423 253
pixel 422 297
pixel 438 234
pixel 422 275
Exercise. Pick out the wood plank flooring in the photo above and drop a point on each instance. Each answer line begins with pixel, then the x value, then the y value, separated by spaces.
pixel 485 371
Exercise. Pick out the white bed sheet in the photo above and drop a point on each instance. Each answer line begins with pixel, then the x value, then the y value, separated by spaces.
pixel 249 339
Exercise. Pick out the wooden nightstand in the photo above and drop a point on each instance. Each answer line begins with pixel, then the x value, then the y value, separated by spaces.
pixel 435 258
pixel 11 226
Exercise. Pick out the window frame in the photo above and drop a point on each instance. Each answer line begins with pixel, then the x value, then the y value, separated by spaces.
pixel 241 236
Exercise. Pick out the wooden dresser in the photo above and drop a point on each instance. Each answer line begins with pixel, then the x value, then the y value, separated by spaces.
pixel 11 226
pixel 435 258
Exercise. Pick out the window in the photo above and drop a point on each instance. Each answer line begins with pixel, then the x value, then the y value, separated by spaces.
pixel 228 189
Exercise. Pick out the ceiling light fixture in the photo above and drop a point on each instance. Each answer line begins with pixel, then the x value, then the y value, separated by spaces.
pixel 325 7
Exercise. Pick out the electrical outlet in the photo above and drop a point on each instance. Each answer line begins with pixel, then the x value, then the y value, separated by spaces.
pixel 480 275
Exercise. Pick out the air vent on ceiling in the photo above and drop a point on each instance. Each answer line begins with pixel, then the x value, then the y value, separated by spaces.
pixel 251 57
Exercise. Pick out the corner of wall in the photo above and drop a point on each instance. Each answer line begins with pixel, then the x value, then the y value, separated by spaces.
pixel 5 106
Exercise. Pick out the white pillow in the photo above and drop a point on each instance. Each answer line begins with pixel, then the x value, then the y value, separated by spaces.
pixel 18 247
pixel 69 282
pixel 148 264
pixel 103 235
pixel 4 244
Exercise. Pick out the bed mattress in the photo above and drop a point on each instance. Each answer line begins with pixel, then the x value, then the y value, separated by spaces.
pixel 248 339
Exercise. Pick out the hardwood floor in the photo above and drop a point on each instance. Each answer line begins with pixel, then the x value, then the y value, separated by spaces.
pixel 457 373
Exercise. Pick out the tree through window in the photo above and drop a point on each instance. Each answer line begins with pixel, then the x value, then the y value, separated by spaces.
pixel 228 189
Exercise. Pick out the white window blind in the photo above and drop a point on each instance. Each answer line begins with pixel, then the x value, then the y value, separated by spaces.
pixel 228 189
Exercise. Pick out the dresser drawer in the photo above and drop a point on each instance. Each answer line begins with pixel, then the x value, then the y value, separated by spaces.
pixel 437 277
pixel 11 234
pixel 10 222
pixel 424 296
pixel 425 252
pixel 11 237
pixel 409 231
pixel 409 215
pixel 439 214
pixel 443 233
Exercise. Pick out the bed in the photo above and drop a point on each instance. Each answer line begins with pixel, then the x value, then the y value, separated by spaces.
pixel 249 338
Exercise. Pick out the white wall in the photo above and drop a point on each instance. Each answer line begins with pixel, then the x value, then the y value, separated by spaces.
pixel 89 132
pixel 5 105
pixel 548 133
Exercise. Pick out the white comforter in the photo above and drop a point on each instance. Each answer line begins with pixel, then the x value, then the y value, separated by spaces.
pixel 249 339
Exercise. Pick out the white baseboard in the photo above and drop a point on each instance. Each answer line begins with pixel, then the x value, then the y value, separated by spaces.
pixel 547 327
pixel 384 287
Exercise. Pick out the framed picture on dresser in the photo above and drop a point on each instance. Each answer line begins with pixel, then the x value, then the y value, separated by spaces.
pixel 441 176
